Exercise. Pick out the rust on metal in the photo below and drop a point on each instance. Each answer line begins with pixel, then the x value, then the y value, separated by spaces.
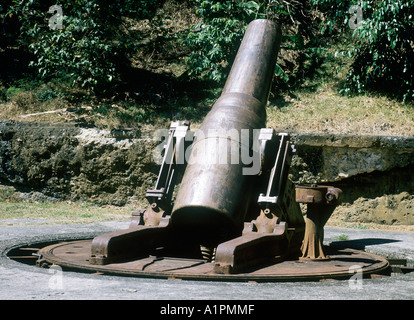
pixel 250 250
pixel 321 202
pixel 214 198
pixel 216 195
pixel 74 256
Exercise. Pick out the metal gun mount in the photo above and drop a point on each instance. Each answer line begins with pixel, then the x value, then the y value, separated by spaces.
pixel 228 220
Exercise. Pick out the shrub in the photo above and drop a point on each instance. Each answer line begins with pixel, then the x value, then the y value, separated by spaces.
pixel 215 40
pixel 92 36
pixel 383 46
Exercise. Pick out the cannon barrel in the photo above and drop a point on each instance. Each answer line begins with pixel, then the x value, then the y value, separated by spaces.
pixel 214 195
pixel 216 211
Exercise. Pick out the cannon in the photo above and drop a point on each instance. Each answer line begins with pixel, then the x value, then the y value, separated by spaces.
pixel 223 205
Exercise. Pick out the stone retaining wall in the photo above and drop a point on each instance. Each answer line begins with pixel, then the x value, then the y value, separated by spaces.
pixel 336 157
pixel 77 163
pixel 46 161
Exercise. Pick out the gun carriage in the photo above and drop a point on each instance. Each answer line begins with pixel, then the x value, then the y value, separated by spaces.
pixel 236 215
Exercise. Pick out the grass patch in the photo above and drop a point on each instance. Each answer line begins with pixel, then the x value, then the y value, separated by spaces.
pixel 59 213
pixel 327 111
pixel 158 95
pixel 318 106
pixel 342 237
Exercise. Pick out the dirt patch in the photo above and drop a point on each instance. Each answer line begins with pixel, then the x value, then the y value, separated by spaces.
pixel 394 209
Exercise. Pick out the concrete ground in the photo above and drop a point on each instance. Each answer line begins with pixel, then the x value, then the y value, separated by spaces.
pixel 24 282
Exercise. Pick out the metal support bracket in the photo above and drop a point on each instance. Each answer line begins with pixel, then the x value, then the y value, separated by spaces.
pixel 278 229
pixel 148 228
pixel 279 162
pixel 321 201
pixel 250 250
pixel 172 166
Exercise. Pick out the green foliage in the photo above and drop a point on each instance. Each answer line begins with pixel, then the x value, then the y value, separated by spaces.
pixel 96 38
pixel 214 41
pixel 6 30
pixel 343 237
pixel 337 14
pixel 383 46
pixel 93 35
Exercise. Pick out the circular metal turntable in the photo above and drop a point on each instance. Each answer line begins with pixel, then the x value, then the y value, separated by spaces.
pixel 341 265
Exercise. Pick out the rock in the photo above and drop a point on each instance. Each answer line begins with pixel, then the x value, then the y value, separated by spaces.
pixel 336 157
pixel 387 209
pixel 76 163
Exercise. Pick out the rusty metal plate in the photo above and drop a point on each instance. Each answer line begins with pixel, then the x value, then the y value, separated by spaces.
pixel 75 255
